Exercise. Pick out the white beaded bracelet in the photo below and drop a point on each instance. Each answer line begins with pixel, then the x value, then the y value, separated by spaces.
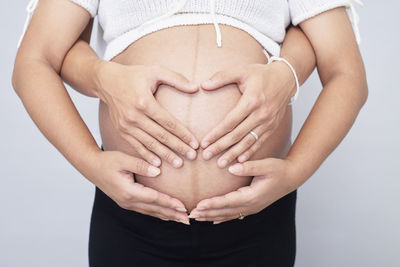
pixel 275 58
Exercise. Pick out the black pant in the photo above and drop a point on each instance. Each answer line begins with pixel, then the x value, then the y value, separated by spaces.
pixel 122 238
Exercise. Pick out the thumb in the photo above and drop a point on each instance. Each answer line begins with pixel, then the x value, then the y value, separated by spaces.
pixel 137 166
pixel 223 77
pixel 251 168
pixel 175 79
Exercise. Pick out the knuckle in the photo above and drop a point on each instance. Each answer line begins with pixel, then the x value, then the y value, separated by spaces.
pixel 170 124
pixel 140 166
pixel 151 145
pixel 253 102
pixel 249 141
pixel 236 136
pixel 142 103
pixel 163 137
pixel 125 200
pixel 265 112
pixel 130 116
pixel 168 156
pixel 151 197
pixel 216 148
pixel 181 149
pixel 122 124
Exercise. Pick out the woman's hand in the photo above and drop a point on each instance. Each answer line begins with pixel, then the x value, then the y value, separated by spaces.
pixel 266 90
pixel 274 178
pixel 114 175
pixel 128 92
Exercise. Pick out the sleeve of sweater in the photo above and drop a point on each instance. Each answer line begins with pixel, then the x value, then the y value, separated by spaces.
pixel 91 6
pixel 301 10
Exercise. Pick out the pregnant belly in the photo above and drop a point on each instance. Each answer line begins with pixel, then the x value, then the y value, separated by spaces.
pixel 192 51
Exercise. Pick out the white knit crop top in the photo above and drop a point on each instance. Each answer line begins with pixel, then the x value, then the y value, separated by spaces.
pixel 121 22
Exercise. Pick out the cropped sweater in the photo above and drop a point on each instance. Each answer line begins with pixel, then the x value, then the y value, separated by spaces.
pixel 121 22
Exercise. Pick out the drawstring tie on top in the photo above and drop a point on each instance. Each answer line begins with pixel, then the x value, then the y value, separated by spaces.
pixel 29 9
pixel 178 6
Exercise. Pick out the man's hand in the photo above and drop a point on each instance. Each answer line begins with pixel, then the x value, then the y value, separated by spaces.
pixel 114 172
pixel 274 178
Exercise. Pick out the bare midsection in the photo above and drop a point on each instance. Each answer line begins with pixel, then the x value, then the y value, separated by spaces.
pixel 192 51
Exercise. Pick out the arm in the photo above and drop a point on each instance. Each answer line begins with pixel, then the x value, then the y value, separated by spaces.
pixel 36 81
pixel 54 28
pixel 266 91
pixel 136 110
pixel 344 93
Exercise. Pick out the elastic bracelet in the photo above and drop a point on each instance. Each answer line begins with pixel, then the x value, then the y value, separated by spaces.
pixel 275 58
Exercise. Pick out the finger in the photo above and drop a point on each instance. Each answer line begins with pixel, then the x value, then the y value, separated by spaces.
pixel 224 220
pixel 231 138
pixel 216 214
pixel 224 77
pixel 138 166
pixel 250 168
pixel 162 212
pixel 232 119
pixel 175 79
pixel 142 150
pixel 160 149
pixel 233 199
pixel 244 144
pixel 157 113
pixel 148 195
pixel 254 148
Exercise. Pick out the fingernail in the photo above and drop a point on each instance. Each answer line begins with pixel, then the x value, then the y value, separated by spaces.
pixel 177 162
pixel 193 215
pixel 200 219
pixel 181 209
pixel 153 171
pixel 205 144
pixel 242 158
pixel 223 163
pixel 156 161
pixel 216 222
pixel 191 154
pixel 236 168
pixel 207 154
pixel 194 144
pixel 185 221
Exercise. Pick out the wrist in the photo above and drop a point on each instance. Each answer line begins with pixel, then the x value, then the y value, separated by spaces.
pixel 98 70
pixel 298 173
pixel 90 163
pixel 284 75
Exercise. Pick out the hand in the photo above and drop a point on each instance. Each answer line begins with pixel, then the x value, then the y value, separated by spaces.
pixel 128 92
pixel 273 179
pixel 266 90
pixel 114 175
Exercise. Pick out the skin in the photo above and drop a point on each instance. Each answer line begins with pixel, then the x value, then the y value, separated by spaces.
pixel 273 83
pixel 344 93
pixel 108 169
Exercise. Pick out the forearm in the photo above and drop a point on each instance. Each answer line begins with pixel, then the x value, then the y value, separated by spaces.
pixel 80 65
pixel 46 100
pixel 329 121
pixel 297 49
